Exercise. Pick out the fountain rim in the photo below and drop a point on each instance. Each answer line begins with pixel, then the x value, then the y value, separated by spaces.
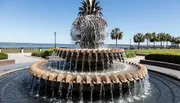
pixel 140 74
pixel 12 71
pixel 101 50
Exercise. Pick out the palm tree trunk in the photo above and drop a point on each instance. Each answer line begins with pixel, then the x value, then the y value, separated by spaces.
pixel 161 44
pixel 116 42
pixel 166 44
pixel 138 45
pixel 154 43
pixel 147 43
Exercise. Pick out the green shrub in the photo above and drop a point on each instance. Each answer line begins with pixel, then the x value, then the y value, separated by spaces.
pixel 47 53
pixel 165 57
pixel 130 54
pixel 3 56
pixel 51 51
pixel 37 53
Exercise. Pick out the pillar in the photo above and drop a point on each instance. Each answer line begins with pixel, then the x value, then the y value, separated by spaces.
pixel 22 50
pixel 40 49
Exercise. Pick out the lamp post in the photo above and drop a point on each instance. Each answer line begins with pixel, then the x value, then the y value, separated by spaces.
pixel 54 40
pixel 130 44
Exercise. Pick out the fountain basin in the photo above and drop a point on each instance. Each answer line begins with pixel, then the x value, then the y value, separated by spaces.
pixel 89 80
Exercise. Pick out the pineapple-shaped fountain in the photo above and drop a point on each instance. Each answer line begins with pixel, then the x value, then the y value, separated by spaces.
pixel 90 72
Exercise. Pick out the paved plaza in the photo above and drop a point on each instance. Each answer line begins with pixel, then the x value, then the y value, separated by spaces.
pixel 22 60
pixel 25 60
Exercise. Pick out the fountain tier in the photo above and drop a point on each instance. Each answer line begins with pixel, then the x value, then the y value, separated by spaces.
pixel 89 79
pixel 87 60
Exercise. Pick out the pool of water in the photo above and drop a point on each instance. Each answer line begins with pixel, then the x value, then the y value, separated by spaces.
pixel 15 88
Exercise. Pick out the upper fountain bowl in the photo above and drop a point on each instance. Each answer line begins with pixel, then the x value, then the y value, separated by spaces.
pixel 93 55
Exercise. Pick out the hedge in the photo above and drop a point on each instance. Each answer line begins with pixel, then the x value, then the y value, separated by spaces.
pixel 43 54
pixel 151 51
pixel 164 57
pixel 130 54
pixel 47 53
pixel 37 53
pixel 3 56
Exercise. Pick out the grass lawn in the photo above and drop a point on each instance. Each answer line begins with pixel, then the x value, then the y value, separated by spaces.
pixel 149 51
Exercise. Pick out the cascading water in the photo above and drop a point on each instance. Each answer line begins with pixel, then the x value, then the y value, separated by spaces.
pixel 60 89
pixel 71 61
pixel 77 56
pixel 69 93
pixel 96 62
pixel 89 62
pixel 92 89
pixel 81 92
pixel 111 90
pixel 83 62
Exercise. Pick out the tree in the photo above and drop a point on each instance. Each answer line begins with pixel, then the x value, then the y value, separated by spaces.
pixel 167 39
pixel 147 36
pixel 90 8
pixel 172 41
pixel 161 37
pixel 116 34
pixel 177 41
pixel 153 38
pixel 138 38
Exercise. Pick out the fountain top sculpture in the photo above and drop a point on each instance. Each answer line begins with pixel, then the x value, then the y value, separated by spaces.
pixel 89 30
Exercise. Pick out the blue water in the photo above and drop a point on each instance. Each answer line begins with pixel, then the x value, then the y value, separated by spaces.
pixel 40 45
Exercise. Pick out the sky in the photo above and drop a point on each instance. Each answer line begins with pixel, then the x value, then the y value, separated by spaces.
pixel 35 21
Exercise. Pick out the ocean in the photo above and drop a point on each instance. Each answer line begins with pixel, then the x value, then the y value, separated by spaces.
pixel 46 45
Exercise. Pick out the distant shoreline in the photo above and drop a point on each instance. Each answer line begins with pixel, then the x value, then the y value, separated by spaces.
pixel 50 43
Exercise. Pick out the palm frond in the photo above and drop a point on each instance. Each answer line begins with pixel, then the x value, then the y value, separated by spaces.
pixel 90 9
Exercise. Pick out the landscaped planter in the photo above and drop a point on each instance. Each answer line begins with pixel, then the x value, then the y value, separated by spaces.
pixel 161 64
pixel 6 62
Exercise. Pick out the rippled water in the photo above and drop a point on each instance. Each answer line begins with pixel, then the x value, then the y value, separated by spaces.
pixel 15 88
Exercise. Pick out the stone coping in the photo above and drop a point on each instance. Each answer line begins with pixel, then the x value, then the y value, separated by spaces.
pixel 161 64
pixel 90 50
pixel 6 62
pixel 12 71
pixel 88 79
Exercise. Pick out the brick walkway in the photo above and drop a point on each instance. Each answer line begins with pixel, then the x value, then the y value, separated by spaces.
pixel 22 61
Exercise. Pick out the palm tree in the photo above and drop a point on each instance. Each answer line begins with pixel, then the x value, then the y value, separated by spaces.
pixel 138 38
pixel 90 7
pixel 177 41
pixel 167 39
pixel 161 37
pixel 153 38
pixel 147 36
pixel 172 41
pixel 116 34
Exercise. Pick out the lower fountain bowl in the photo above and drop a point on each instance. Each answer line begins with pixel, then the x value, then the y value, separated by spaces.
pixel 87 82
